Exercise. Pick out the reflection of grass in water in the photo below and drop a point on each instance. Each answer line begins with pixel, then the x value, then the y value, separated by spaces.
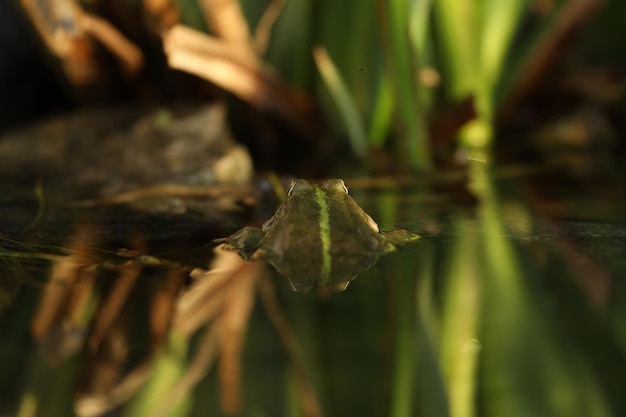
pixel 526 368
pixel 19 259
pixel 14 274
pixel 15 248
pixel 482 339
pixel 220 301
pixel 521 368
pixel 461 310
pixel 9 289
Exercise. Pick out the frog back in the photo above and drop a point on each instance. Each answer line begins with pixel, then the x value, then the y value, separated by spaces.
pixel 321 237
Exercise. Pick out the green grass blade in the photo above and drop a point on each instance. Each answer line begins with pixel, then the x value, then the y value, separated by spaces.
pixel 412 132
pixel 347 109
pixel 456 29
pixel 499 21
pixel 380 126
pixel 167 370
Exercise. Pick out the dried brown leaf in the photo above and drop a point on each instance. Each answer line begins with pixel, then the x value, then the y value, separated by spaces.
pixel 222 297
pixel 209 293
pixel 163 304
pixel 171 190
pixel 165 13
pixel 62 299
pixel 129 56
pixel 264 27
pixel 112 306
pixel 228 22
pixel 68 33
pixel 238 72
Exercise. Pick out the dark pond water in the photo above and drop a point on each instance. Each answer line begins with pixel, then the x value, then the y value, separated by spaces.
pixel 512 304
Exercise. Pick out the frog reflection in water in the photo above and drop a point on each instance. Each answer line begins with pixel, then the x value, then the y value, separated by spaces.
pixel 319 235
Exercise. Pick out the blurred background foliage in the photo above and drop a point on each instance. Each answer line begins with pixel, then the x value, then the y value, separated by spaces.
pixel 411 82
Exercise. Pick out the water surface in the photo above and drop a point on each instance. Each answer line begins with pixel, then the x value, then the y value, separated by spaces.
pixel 513 303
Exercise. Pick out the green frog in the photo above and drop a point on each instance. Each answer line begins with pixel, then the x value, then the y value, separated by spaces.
pixel 318 236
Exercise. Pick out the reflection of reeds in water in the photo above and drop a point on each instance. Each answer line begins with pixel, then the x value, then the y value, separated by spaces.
pixel 526 368
pixel 487 339
pixel 220 299
pixel 218 304
pixel 68 298
pixel 472 326
pixel 86 314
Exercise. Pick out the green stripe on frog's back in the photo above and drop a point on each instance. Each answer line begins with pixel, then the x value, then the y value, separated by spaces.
pixel 324 231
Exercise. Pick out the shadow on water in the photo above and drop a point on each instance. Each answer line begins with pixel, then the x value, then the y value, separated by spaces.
pixel 510 307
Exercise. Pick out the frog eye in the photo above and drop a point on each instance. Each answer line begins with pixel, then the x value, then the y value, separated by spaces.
pixel 335 185
pixel 298 186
